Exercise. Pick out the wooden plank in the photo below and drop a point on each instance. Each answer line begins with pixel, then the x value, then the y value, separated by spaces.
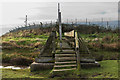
pixel 64 55
pixel 64 69
pixel 64 48
pixel 65 65
pixel 66 51
pixel 65 62
pixel 65 59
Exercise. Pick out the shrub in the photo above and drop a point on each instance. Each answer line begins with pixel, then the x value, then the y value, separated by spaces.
pixel 97 56
pixel 112 46
pixel 107 39
pixel 118 46
pixel 96 45
pixel 21 61
pixel 6 58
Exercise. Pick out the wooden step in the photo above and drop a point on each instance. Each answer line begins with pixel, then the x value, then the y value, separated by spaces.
pixel 66 51
pixel 64 55
pixel 66 36
pixel 65 65
pixel 65 59
pixel 64 69
pixel 65 62
pixel 63 48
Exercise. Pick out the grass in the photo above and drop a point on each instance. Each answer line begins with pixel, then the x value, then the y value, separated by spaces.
pixel 24 73
pixel 107 55
pixel 8 55
pixel 28 47
pixel 108 69
pixel 100 36
pixel 43 37
pixel 26 40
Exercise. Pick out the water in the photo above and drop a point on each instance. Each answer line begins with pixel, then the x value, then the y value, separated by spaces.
pixel 13 67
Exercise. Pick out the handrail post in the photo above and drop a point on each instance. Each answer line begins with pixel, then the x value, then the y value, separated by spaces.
pixel 77 51
pixel 54 45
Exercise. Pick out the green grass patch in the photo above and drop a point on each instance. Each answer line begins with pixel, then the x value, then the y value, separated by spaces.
pixel 106 55
pixel 31 37
pixel 113 37
pixel 24 73
pixel 108 69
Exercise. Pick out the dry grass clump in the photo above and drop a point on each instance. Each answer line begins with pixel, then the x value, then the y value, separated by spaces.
pixel 112 46
pixel 107 39
pixel 106 46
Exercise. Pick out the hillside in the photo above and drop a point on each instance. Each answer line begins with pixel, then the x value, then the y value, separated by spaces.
pixel 21 47
pixel 25 44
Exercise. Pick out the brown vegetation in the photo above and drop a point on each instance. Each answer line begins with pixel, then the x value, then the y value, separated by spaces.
pixel 21 61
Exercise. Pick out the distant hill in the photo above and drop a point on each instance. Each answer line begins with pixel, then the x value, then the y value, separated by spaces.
pixel 112 24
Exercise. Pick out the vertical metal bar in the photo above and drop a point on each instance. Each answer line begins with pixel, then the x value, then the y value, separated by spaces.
pixel 60 30
pixel 60 27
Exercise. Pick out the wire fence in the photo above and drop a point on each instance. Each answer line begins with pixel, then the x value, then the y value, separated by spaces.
pixel 107 23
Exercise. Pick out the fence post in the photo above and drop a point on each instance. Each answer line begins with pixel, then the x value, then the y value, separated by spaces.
pixel 77 51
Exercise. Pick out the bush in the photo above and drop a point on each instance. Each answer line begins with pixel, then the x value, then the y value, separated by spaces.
pixel 112 46
pixel 96 45
pixel 107 39
pixel 6 58
pixel 21 61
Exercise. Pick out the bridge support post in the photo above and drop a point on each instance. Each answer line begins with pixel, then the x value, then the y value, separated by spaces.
pixel 46 58
pixel 77 51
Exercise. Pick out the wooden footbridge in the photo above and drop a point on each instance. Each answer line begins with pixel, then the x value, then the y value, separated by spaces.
pixel 73 54
pixel 64 51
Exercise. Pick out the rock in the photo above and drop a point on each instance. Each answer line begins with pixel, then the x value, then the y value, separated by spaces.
pixel 44 60
pixel 90 65
pixel 41 66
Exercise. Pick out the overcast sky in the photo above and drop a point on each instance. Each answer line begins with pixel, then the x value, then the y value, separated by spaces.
pixel 13 13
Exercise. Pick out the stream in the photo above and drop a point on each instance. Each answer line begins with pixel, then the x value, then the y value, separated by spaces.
pixel 13 67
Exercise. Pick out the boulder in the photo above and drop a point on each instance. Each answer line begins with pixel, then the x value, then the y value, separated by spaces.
pixel 41 66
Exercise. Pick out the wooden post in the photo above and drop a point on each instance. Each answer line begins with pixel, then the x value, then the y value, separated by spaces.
pixel 107 25
pixel 74 41
pixel 41 24
pixel 67 21
pixel 51 22
pixel 77 51
pixel 89 23
pixel 26 20
pixel 54 45
pixel 76 21
pixel 86 21
pixel 102 22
